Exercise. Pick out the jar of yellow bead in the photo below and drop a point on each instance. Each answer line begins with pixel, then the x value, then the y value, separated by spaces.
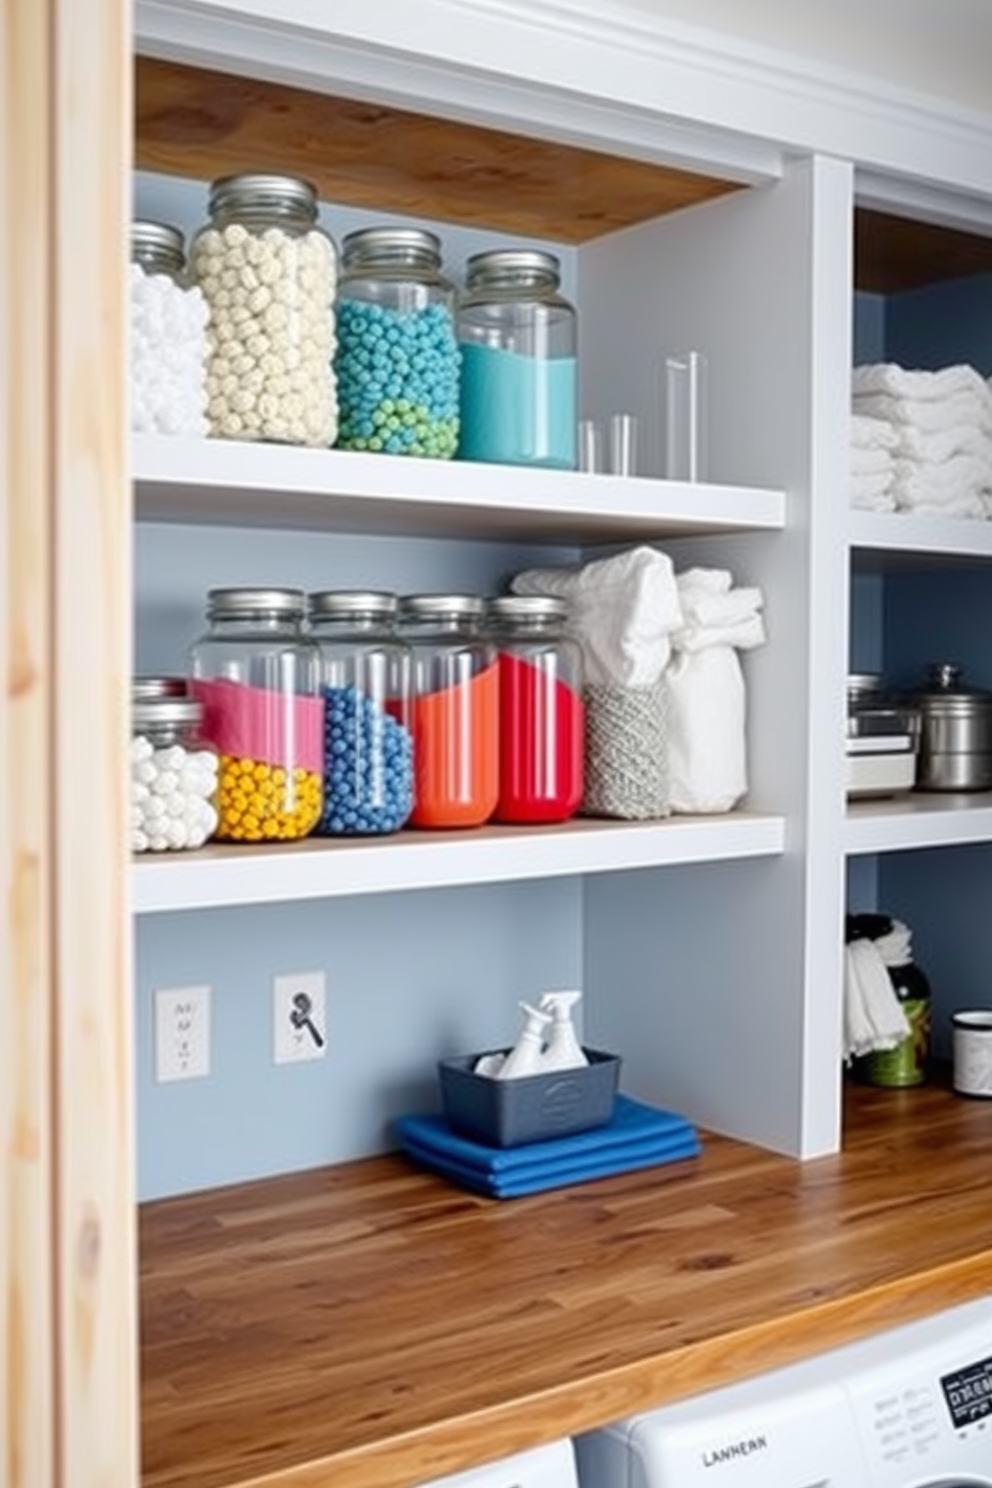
pixel 257 677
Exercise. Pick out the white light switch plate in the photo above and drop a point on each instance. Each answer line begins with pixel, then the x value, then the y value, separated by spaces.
pixel 299 1017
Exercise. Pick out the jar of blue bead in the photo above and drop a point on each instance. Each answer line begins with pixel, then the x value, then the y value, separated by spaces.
pixel 368 741
pixel 397 359
pixel 518 341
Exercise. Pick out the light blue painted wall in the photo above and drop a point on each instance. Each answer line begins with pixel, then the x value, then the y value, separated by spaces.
pixel 411 978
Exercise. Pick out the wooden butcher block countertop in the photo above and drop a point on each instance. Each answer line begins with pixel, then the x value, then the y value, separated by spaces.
pixel 371 1326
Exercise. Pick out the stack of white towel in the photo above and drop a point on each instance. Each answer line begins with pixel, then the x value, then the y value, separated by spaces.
pixel 921 441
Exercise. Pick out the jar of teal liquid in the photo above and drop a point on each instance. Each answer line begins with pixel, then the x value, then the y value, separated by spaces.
pixel 518 342
pixel 397 359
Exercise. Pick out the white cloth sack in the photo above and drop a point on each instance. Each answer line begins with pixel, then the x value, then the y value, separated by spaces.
pixel 873 1015
pixel 621 610
pixel 707 747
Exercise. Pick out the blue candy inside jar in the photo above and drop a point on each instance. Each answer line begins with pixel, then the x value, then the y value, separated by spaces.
pixel 397 379
pixel 368 784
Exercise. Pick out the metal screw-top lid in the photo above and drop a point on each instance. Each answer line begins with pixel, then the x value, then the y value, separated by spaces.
pixel 528 608
pixel 158 246
pixel 391 245
pixel 950 695
pixel 280 196
pixel 441 607
pixel 242 604
pixel 176 712
pixel 343 604
pixel 144 689
pixel 512 265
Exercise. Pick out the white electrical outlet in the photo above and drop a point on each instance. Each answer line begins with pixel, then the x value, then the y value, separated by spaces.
pixel 182 1033
pixel 299 1017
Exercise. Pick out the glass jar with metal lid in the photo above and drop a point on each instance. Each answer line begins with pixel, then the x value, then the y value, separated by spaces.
pixel 455 710
pixel 173 770
pixel 159 248
pixel 541 712
pixel 257 677
pixel 518 381
pixel 167 338
pixel 397 361
pixel 368 743
pixel 268 273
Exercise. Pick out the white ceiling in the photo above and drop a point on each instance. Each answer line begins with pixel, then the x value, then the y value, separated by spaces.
pixel 942 47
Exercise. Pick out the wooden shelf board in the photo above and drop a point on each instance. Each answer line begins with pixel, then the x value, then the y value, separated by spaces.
pixel 203 124
pixel 918 820
pixel 320 868
pixel 218 481
pixel 892 254
pixel 375 1327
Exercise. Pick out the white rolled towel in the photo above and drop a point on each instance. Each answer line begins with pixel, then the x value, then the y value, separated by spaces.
pixel 622 610
pixel 873 1015
pixel 872 433
pixel 958 482
pixel 943 444
pixel 900 382
pixel 872 490
pixel 929 415
pixel 868 460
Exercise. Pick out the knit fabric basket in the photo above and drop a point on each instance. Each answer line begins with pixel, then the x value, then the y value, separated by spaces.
pixel 626 767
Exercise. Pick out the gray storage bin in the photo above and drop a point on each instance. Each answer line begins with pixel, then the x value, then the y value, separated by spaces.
pixel 530 1108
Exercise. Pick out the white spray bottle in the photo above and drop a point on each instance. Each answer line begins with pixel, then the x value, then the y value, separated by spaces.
pixel 527 1055
pixel 563 1049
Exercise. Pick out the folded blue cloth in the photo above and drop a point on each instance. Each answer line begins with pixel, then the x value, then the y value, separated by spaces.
pixel 638 1136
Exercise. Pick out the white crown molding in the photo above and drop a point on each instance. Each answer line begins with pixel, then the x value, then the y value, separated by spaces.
pixel 616 78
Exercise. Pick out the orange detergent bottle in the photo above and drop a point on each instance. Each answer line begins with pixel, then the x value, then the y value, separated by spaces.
pixel 455 710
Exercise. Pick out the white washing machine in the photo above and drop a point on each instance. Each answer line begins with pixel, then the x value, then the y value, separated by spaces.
pixel 549 1466
pixel 908 1408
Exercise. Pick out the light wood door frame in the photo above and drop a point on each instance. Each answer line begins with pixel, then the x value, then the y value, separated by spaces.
pixel 68 1416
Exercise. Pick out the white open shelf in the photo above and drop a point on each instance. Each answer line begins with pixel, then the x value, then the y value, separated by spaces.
pixel 930 819
pixel 317 868
pixel 890 541
pixel 230 483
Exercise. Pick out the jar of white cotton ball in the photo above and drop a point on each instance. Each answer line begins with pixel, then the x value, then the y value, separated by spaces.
pixel 268 274
pixel 173 773
pixel 168 341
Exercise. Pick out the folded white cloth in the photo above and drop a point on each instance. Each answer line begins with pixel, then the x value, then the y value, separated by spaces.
pixel 872 490
pixel 873 1015
pixel 872 433
pixel 957 482
pixel 622 611
pixel 899 382
pixel 715 614
pixel 943 444
pixel 869 460
pixel 929 415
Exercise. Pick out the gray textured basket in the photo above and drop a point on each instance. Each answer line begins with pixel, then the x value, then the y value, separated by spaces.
pixel 531 1108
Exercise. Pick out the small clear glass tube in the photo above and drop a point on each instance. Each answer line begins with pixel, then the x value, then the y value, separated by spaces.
pixel 685 416
pixel 623 444
pixel 590 451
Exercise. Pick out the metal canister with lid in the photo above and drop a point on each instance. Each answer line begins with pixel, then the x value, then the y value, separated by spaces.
pixel 268 272
pixel 397 360
pixel 455 710
pixel 173 769
pixel 257 676
pixel 518 338
pixel 955 723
